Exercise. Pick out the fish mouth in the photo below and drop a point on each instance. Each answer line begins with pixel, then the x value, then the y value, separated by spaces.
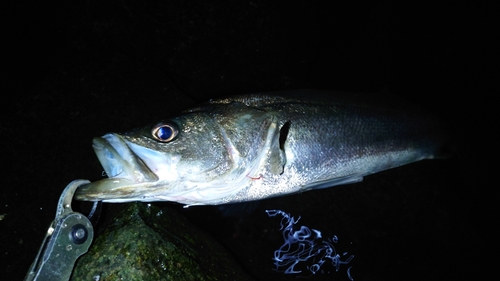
pixel 125 169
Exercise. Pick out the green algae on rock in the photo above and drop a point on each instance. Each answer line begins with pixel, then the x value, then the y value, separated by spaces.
pixel 147 243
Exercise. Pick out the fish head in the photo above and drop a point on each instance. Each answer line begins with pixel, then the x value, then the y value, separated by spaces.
pixel 197 157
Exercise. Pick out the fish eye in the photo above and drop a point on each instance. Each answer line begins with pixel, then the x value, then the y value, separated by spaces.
pixel 165 132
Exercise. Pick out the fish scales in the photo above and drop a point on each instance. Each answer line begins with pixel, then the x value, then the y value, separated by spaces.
pixel 257 146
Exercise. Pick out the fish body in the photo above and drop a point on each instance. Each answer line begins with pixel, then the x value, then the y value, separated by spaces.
pixel 257 146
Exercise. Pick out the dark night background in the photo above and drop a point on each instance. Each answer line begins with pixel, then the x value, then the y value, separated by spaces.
pixel 77 70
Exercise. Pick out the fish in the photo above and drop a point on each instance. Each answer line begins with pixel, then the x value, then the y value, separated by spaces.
pixel 255 146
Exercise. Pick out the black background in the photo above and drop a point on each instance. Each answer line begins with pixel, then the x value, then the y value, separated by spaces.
pixel 77 70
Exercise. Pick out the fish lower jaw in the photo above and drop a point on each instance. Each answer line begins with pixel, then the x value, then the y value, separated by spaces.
pixel 114 189
pixel 190 192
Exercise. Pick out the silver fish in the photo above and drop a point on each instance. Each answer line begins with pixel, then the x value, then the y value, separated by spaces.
pixel 256 146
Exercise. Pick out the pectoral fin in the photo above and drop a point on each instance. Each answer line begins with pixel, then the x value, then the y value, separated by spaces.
pixel 333 182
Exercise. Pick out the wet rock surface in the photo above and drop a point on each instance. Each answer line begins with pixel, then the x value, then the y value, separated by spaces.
pixel 148 243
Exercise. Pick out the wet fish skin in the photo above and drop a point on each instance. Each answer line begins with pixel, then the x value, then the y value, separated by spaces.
pixel 256 146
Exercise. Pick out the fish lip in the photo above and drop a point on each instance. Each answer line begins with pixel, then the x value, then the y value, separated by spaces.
pixel 120 161
pixel 124 168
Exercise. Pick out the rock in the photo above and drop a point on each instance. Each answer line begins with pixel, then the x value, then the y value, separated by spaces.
pixel 148 243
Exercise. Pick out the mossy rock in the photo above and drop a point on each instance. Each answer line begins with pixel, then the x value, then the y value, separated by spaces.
pixel 148 243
